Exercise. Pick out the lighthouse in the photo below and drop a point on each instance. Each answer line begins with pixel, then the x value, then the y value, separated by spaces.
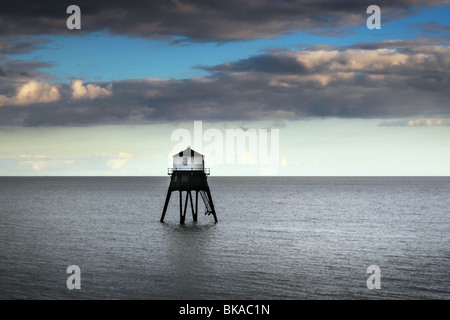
pixel 188 174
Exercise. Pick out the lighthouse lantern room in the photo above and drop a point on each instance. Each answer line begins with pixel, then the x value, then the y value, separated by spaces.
pixel 188 160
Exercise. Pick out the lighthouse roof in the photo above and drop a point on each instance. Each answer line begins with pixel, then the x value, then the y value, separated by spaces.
pixel 188 151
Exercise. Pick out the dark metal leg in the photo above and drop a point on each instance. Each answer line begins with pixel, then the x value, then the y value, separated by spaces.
pixel 181 208
pixel 194 217
pixel 196 206
pixel 212 205
pixel 169 192
pixel 185 205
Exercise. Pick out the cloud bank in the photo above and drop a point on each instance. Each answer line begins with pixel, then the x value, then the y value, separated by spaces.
pixel 384 79
pixel 354 82
pixel 90 91
pixel 199 20
pixel 32 92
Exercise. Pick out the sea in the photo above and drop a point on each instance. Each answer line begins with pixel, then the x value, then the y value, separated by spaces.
pixel 277 238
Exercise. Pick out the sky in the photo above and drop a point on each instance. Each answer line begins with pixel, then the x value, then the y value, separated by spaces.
pixel 311 87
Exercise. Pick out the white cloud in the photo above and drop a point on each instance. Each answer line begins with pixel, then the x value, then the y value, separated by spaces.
pixel 124 155
pixel 371 60
pixel 38 156
pixel 416 123
pixel 90 91
pixel 116 163
pixel 32 92
pixel 428 123
pixel 36 165
pixel 40 161
pixel 116 160
pixel 34 161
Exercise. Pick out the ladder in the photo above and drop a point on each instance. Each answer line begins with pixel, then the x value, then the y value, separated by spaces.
pixel 206 202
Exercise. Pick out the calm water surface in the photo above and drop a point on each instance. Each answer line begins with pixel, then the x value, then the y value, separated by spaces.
pixel 277 238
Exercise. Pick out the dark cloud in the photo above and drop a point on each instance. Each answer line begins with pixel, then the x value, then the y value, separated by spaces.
pixel 17 45
pixel 13 70
pixel 433 27
pixel 200 20
pixel 396 44
pixel 262 63
pixel 19 69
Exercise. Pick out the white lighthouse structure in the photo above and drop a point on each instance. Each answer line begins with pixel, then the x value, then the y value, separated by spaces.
pixel 189 174
pixel 188 160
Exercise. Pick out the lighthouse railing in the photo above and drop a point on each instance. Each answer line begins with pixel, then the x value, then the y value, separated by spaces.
pixel 170 171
